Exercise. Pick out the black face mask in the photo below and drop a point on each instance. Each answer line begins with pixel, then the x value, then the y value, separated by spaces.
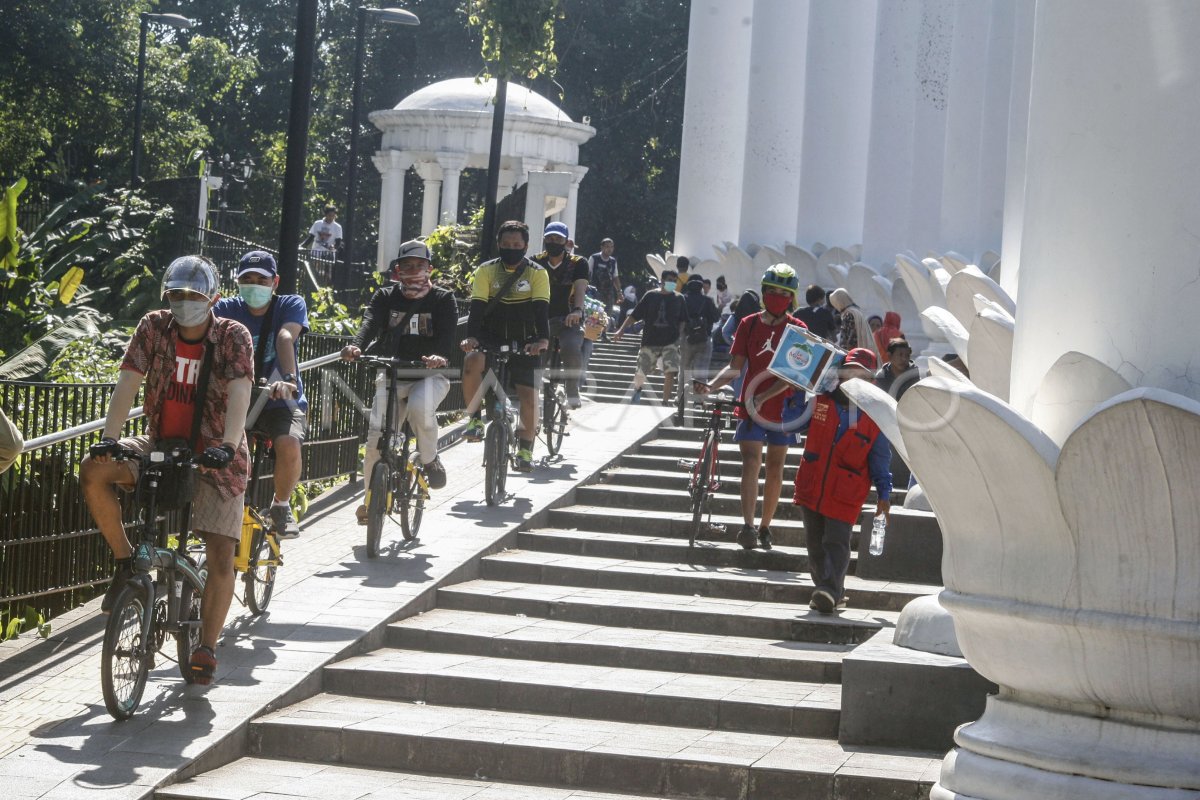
pixel 512 255
pixel 555 249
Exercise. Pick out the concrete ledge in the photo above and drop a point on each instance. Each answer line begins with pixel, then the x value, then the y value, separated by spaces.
pixel 896 697
pixel 912 550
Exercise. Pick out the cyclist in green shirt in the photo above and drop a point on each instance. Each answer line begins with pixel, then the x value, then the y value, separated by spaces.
pixel 499 316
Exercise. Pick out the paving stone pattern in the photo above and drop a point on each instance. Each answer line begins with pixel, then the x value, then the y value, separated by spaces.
pixel 597 656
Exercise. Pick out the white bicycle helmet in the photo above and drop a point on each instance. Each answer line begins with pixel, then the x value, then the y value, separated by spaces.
pixel 195 273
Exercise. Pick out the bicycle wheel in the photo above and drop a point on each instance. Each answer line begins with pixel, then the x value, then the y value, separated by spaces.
pixel 379 503
pixel 681 402
pixel 495 457
pixel 188 638
pixel 124 662
pixel 412 501
pixel 260 576
pixel 556 425
pixel 701 487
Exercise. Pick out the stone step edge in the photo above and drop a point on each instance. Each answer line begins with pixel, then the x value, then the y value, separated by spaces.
pixel 520 690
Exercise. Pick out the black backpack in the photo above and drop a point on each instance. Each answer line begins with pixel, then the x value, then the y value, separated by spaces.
pixel 694 330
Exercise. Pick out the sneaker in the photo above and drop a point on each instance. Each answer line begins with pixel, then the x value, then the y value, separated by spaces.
pixel 285 524
pixel 435 473
pixel 124 570
pixel 203 665
pixel 823 602
pixel 474 431
pixel 841 604
pixel 764 537
pixel 747 537
pixel 360 514
pixel 636 397
pixel 524 460
pixel 574 403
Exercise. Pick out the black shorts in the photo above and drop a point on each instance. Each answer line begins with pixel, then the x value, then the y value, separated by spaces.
pixel 281 421
pixel 522 368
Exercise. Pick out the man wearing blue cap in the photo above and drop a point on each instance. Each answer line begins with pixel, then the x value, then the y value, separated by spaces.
pixel 568 286
pixel 282 413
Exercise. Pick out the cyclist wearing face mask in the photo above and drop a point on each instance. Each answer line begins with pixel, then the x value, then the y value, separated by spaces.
pixel 510 298
pixel 168 351
pixel 568 276
pixel 276 322
pixel 760 421
pixel 663 312
pixel 413 320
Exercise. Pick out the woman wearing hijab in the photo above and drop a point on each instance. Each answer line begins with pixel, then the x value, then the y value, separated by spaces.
pixel 855 331
pixel 889 330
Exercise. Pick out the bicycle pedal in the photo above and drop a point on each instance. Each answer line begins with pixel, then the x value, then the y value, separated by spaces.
pixel 683 462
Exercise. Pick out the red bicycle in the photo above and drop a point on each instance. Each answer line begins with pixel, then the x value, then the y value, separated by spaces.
pixel 706 471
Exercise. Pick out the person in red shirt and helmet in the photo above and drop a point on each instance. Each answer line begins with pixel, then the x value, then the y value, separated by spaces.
pixel 844 453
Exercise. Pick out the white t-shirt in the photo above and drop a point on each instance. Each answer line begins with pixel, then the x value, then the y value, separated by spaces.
pixel 325 234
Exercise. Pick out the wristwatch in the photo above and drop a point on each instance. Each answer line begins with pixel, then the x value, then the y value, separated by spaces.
pixel 289 378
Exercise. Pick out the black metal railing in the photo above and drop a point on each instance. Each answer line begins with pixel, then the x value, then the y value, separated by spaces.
pixel 50 553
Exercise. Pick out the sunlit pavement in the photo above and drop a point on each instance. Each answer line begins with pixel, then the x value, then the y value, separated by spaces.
pixel 57 740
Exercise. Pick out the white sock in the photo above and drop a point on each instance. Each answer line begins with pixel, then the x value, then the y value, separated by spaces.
pixel 281 503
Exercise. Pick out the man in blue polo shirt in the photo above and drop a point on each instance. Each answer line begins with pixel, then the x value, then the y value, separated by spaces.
pixel 282 415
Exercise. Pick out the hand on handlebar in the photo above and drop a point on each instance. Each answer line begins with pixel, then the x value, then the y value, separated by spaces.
pixel 217 457
pixel 573 319
pixel 282 389
pixel 105 449
pixel 700 387
pixel 469 344
pixel 350 352
pixel 537 347
pixel 435 362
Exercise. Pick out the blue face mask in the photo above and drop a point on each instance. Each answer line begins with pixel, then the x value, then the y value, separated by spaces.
pixel 255 296
pixel 668 286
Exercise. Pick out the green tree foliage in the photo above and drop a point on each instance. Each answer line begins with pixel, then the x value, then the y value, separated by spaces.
pixel 518 36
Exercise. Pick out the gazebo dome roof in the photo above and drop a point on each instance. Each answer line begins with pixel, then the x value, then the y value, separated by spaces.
pixel 464 94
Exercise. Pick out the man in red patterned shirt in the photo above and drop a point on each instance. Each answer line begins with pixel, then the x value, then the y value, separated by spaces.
pixel 166 352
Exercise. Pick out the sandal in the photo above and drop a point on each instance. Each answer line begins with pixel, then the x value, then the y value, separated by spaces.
pixel 203 665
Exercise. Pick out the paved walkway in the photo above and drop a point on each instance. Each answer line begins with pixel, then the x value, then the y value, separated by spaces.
pixel 56 739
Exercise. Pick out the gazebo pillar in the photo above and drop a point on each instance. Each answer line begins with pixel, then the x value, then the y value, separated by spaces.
pixel 569 213
pixel 431 194
pixel 392 165
pixel 452 165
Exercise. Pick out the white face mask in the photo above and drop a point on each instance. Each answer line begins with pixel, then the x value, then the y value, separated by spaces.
pixel 189 313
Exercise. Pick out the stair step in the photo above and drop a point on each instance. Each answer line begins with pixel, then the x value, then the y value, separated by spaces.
pixel 633 547
pixel 620 694
pixel 723 527
pixel 633 499
pixel 281 779
pixel 664 472
pixel 667 612
pixel 508 636
pixel 711 582
pixel 691 451
pixel 600 754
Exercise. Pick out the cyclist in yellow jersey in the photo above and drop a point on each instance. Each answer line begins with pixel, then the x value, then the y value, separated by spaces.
pixel 506 311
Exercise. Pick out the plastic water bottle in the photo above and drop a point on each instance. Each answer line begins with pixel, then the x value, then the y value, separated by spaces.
pixel 878 531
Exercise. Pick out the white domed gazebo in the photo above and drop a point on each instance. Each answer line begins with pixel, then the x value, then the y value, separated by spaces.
pixel 446 127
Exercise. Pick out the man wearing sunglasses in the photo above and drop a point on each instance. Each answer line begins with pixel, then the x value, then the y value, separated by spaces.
pixel 168 352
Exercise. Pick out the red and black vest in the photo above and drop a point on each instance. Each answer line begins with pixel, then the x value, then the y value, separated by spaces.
pixel 833 479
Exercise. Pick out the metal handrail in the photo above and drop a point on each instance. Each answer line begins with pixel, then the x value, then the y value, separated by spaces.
pixel 98 424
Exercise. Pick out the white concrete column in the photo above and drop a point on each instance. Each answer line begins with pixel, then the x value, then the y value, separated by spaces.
pixel 964 128
pixel 933 69
pixel 714 127
pixel 452 165
pixel 571 210
pixel 543 185
pixel 774 122
pixel 1089 622
pixel 431 194
pixel 837 108
pixel 994 140
pixel 1107 264
pixel 1018 128
pixel 890 149
pixel 392 166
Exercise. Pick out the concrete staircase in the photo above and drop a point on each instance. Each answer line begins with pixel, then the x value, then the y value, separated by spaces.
pixel 598 657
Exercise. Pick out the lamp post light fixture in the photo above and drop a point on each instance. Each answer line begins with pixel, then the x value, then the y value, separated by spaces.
pixel 393 16
pixel 174 21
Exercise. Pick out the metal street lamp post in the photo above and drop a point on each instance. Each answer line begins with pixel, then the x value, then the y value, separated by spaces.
pixel 394 16
pixel 175 21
